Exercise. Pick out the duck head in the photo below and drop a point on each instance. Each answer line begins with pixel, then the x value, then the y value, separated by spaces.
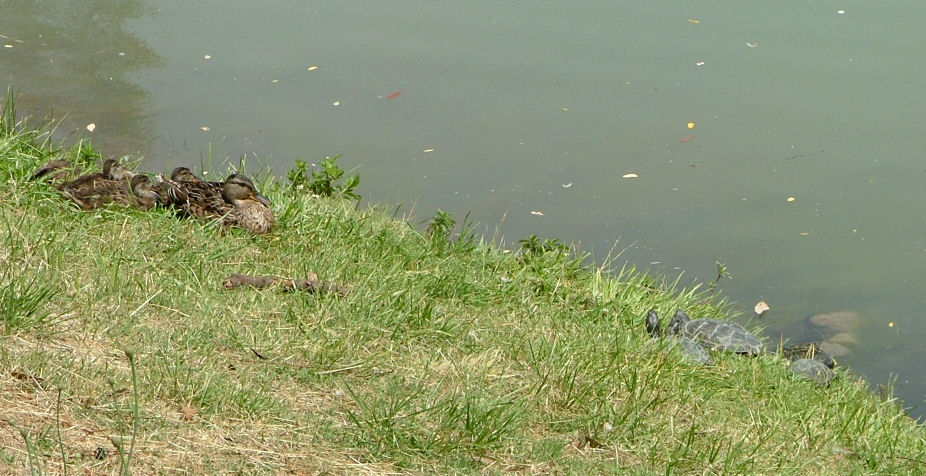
pixel 240 188
pixel 143 188
pixel 115 170
pixel 183 174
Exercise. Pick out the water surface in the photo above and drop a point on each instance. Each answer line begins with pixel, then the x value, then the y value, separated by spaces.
pixel 543 107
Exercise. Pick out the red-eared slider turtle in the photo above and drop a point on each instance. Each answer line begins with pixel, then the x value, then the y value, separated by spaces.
pixel 715 334
pixel 808 350
pixel 812 369
pixel 690 349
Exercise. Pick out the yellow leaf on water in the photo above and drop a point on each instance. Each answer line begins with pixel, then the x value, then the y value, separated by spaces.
pixel 630 175
pixel 91 127
pixel 692 20
pixel 537 212
pixel 312 68
pixel 761 307
pixel 791 199
pixel 691 125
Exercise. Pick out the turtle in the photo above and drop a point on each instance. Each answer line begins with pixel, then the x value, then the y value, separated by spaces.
pixel 808 350
pixel 690 349
pixel 715 334
pixel 813 369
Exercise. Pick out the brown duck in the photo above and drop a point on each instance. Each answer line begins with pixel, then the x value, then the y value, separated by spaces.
pixel 235 201
pixel 93 190
pixel 147 194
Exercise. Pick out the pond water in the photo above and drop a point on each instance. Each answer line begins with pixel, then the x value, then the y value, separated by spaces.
pixel 785 141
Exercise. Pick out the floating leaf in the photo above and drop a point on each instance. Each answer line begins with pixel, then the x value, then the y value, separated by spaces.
pixel 394 95
pixel 91 127
pixel 791 199
pixel 695 21
pixel 312 68
pixel 537 212
pixel 630 175
pixel 691 125
pixel 761 307
pixel 686 138
pixel 207 56
pixel 428 150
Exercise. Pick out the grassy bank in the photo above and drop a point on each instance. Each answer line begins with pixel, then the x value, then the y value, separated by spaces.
pixel 121 348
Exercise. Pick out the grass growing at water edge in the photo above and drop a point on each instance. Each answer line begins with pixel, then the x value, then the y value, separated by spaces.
pixel 448 354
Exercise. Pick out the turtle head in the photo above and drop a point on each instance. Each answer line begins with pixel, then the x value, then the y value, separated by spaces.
pixel 679 320
pixel 652 324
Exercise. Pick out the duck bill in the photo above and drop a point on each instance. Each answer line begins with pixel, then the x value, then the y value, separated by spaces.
pixel 262 199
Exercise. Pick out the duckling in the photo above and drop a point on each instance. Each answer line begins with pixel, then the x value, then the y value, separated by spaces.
pixel 183 174
pixel 235 201
pixel 94 190
pixel 147 193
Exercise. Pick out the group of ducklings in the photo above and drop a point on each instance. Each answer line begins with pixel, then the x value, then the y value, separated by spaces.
pixel 234 202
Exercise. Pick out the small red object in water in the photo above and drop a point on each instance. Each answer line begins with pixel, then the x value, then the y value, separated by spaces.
pixel 394 95
pixel 686 138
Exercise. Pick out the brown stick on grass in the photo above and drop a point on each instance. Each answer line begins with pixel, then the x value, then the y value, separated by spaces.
pixel 310 285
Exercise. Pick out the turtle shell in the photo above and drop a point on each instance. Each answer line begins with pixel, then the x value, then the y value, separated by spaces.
pixel 693 352
pixel 722 335
pixel 812 369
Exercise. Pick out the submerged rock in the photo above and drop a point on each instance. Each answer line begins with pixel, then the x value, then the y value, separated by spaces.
pixel 841 321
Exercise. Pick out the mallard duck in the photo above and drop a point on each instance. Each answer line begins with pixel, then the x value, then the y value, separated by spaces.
pixel 235 202
pixel 93 190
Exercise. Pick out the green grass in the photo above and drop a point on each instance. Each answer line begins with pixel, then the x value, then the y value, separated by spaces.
pixel 447 356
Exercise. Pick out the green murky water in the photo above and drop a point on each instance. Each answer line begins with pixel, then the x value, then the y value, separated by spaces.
pixel 506 110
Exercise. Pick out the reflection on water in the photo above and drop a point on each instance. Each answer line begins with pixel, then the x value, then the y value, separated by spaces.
pixel 544 107
pixel 70 60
